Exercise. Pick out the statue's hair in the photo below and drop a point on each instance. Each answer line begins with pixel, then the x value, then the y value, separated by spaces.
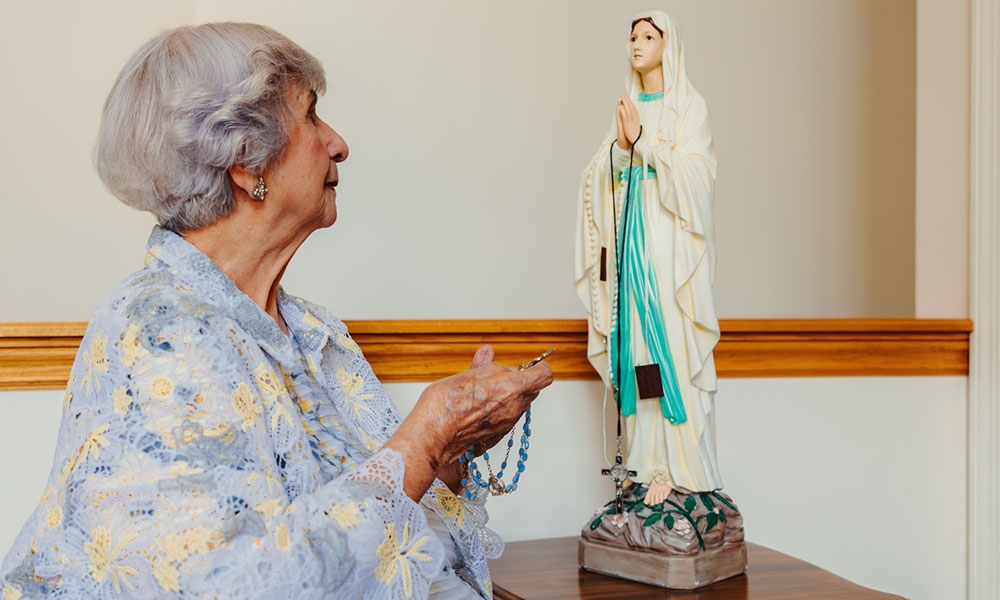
pixel 648 20
pixel 191 103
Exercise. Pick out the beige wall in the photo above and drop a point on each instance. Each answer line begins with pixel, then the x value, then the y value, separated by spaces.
pixel 469 124
pixel 942 193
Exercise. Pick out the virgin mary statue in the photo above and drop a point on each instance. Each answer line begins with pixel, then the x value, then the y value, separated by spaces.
pixel 645 262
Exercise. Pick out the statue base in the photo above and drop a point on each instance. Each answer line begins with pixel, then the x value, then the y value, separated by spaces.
pixel 685 542
pixel 664 570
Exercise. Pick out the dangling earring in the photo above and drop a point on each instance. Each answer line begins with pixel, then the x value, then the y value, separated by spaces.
pixel 260 189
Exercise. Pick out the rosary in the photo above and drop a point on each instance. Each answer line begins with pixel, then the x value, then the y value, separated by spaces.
pixel 473 482
pixel 619 473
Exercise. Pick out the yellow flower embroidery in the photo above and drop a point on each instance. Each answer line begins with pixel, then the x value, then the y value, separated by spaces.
pixel 312 321
pixel 130 346
pixel 122 400
pixel 346 515
pixel 11 592
pixel 268 382
pixel 450 504
pixel 94 442
pixel 245 406
pixel 183 469
pixel 353 384
pixel 282 538
pixel 153 253
pixel 200 539
pixel 372 444
pixel 168 576
pixel 55 517
pixel 348 344
pixel 306 405
pixel 161 387
pixel 92 445
pixel 197 540
pixel 172 546
pixel 489 587
pixel 313 367
pixel 280 411
pixel 269 508
pixel 394 557
pixel 96 360
pixel 103 557
pixel 272 483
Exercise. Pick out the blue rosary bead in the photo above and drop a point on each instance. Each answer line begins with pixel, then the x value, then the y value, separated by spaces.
pixel 475 482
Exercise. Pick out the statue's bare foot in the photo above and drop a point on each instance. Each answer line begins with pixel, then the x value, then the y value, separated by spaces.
pixel 657 493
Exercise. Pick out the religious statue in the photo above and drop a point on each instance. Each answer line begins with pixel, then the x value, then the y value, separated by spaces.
pixel 645 264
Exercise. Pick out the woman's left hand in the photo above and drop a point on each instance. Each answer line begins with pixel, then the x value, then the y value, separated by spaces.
pixel 472 409
pixel 453 472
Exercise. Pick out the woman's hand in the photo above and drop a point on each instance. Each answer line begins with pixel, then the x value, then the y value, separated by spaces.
pixel 475 408
pixel 627 122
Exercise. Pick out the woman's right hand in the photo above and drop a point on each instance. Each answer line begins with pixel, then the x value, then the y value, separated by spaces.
pixel 474 408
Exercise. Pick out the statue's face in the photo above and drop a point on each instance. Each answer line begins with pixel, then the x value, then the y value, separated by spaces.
pixel 645 47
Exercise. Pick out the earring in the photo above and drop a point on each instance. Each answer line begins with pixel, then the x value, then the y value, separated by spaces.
pixel 260 189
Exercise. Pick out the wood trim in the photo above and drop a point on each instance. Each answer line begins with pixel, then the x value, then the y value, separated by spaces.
pixel 39 355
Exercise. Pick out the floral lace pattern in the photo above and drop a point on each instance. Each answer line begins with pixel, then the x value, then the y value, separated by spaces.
pixel 204 453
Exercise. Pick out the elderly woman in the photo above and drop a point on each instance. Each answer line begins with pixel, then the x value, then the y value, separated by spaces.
pixel 220 438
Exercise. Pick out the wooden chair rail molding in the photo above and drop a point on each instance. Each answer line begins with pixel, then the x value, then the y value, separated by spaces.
pixel 39 355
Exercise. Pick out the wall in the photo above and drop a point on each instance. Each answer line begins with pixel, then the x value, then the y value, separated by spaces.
pixel 469 124
pixel 861 476
pixel 942 174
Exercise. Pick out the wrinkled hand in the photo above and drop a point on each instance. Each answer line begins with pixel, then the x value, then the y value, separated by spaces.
pixel 478 407
pixel 453 471
pixel 475 408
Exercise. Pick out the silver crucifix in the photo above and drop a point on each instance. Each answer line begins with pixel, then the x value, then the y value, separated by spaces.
pixel 619 473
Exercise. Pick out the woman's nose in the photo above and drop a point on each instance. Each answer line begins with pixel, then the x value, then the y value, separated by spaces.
pixel 336 146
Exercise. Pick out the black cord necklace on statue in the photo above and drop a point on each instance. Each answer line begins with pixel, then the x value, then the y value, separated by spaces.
pixel 619 472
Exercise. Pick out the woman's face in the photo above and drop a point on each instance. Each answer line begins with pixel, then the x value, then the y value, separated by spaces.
pixel 645 47
pixel 305 178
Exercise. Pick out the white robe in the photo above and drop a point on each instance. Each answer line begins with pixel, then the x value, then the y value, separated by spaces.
pixel 677 143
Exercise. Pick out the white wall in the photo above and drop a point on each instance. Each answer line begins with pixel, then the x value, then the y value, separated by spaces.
pixel 63 242
pixel 856 475
pixel 469 124
pixel 864 477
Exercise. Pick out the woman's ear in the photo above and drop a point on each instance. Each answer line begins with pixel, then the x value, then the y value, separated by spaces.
pixel 243 179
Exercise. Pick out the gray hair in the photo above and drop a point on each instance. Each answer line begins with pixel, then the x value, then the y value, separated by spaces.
pixel 188 105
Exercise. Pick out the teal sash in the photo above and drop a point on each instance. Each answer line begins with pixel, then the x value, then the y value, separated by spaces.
pixel 639 288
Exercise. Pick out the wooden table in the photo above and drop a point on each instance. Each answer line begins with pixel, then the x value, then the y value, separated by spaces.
pixel 549 569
